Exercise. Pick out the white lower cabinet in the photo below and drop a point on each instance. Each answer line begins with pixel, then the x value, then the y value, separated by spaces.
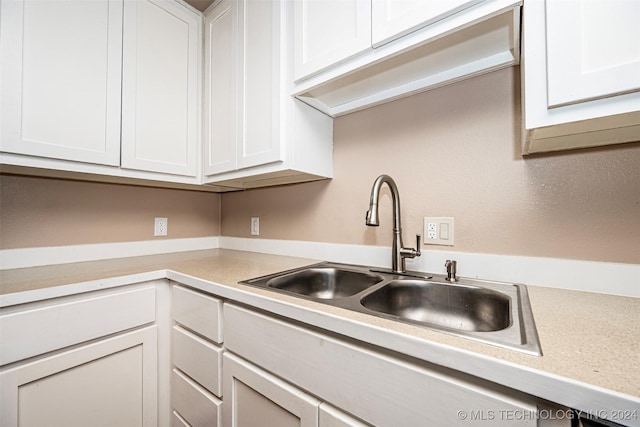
pixel 372 386
pixel 81 360
pixel 196 378
pixel 193 404
pixel 256 398
pixel 152 354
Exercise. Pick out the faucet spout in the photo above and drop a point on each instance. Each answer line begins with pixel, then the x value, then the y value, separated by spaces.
pixel 399 252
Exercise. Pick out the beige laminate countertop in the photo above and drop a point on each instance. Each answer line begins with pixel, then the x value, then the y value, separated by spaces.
pixel 585 337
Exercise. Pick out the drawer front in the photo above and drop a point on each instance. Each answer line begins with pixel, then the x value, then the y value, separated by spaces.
pixel 195 405
pixel 178 421
pixel 198 312
pixel 377 388
pixel 43 329
pixel 197 358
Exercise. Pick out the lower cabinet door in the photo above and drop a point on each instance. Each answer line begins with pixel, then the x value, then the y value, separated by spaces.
pixel 255 398
pixel 110 383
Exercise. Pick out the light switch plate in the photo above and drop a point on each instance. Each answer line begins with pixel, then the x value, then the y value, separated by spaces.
pixel 438 230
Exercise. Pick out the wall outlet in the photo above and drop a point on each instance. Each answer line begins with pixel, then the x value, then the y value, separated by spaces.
pixel 161 227
pixel 438 231
pixel 255 226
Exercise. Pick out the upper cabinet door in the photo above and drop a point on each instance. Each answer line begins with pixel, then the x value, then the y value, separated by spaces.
pixel 327 32
pixel 60 93
pixel 220 88
pixel 260 142
pixel 593 49
pixel 160 87
pixel 392 19
pixel 580 74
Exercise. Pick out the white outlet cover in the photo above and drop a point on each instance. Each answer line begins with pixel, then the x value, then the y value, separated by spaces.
pixel 161 227
pixel 255 226
pixel 438 231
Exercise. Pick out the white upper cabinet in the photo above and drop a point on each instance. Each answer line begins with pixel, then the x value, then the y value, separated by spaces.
pixel 589 59
pixel 61 65
pixel 395 18
pixel 160 87
pixel 411 46
pixel 256 134
pixel 221 89
pixel 329 31
pixel 581 73
pixel 103 87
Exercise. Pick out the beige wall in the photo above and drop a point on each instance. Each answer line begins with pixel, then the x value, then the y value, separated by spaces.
pixel 38 212
pixel 455 151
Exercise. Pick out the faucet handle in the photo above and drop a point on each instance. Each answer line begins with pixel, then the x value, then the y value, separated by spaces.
pixel 418 244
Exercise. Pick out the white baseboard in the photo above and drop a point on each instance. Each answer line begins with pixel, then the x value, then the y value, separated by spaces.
pixel 35 257
pixel 590 276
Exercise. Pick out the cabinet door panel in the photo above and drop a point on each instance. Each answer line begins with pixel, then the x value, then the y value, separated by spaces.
pixel 107 383
pixel 593 49
pixel 221 72
pixel 392 19
pixel 254 397
pixel 61 65
pixel 327 32
pixel 160 87
pixel 260 102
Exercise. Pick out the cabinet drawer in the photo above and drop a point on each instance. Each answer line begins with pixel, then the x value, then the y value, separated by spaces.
pixel 178 421
pixel 375 387
pixel 194 404
pixel 42 329
pixel 197 358
pixel 198 312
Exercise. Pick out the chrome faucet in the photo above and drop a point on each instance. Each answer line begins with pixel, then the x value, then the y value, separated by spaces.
pixel 399 253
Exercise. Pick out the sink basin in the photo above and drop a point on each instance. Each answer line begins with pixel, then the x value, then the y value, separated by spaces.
pixel 491 312
pixel 464 308
pixel 324 283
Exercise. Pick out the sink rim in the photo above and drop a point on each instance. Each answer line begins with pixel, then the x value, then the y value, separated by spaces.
pixel 521 335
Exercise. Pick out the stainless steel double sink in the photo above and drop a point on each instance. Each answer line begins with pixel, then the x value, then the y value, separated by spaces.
pixel 491 312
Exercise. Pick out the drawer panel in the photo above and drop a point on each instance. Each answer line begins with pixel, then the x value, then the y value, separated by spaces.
pixel 195 405
pixel 197 358
pixel 375 387
pixel 178 421
pixel 198 312
pixel 43 329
